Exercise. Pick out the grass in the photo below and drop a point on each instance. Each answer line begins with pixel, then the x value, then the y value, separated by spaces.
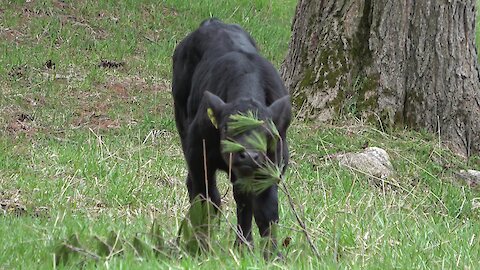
pixel 88 150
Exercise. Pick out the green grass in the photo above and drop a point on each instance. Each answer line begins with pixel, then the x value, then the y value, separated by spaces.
pixel 88 150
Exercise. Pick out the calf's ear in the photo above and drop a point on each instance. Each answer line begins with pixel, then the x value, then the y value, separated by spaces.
pixel 214 107
pixel 281 111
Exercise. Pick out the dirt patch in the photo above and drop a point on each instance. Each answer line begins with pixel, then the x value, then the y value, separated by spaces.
pixel 22 123
pixel 11 204
pixel 96 32
pixel 11 35
pixel 129 85
pixel 167 11
pixel 118 88
pixel 17 115
pixel 18 72
pixel 62 10
pixel 24 117
pixel 30 9
pixel 96 118
pixel 94 106
pixel 60 4
pixel 68 75
pixel 96 121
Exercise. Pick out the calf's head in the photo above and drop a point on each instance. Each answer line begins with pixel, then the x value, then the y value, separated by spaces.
pixel 249 131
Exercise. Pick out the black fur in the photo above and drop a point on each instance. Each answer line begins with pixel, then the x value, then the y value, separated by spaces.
pixel 218 66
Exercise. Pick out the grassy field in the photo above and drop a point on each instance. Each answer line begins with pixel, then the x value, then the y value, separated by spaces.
pixel 88 146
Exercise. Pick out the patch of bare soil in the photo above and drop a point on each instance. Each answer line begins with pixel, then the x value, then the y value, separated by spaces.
pixel 96 121
pixel 119 89
pixel 68 75
pixel 97 32
pixel 133 88
pixel 65 12
pixel 11 204
pixel 60 4
pixel 32 10
pixel 95 117
pixel 11 35
pixel 124 86
pixel 18 72
pixel 95 105
pixel 22 123
pixel 29 11
pixel 167 11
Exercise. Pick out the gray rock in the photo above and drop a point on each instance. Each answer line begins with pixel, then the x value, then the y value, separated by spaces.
pixel 469 177
pixel 373 162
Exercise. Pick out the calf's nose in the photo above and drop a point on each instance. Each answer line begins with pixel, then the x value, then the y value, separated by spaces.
pixel 249 158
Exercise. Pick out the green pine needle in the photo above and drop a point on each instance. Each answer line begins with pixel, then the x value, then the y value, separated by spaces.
pixel 269 173
pixel 273 129
pixel 241 123
pixel 257 141
pixel 229 146
pixel 272 146
pixel 252 185
pixel 263 178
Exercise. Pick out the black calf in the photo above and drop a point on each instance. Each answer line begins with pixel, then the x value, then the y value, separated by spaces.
pixel 217 68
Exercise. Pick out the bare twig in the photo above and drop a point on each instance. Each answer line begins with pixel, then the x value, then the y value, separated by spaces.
pixel 82 251
pixel 206 185
pixel 230 167
pixel 205 168
pixel 285 190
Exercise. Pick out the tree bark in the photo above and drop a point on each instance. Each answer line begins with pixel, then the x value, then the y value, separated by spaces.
pixel 404 62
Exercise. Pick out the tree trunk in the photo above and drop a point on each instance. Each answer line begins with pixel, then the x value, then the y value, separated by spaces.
pixel 404 62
